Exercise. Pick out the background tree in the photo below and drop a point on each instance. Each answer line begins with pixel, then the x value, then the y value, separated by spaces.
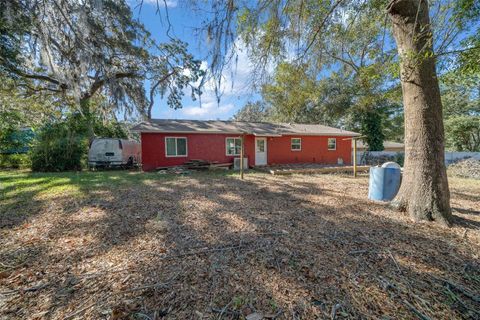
pixel 273 30
pixel 253 112
pixel 10 123
pixel 75 49
pixel 57 137
pixel 371 123
pixel 463 133
pixel 461 100
pixel 292 95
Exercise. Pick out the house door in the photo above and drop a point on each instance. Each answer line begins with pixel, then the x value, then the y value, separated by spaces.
pixel 260 151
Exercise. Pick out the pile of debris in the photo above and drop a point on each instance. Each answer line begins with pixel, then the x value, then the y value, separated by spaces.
pixel 468 168
pixel 173 170
pixel 194 164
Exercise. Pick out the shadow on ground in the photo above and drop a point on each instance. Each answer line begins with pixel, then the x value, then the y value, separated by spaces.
pixel 210 245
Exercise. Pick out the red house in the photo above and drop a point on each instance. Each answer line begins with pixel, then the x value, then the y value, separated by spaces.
pixel 173 142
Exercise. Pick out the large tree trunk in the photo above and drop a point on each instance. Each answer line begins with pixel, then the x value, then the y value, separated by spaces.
pixel 87 114
pixel 424 193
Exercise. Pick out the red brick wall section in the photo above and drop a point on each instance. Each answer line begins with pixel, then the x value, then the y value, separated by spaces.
pixel 211 147
pixel 314 150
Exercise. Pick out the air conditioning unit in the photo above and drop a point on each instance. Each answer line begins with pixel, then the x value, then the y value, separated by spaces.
pixel 236 163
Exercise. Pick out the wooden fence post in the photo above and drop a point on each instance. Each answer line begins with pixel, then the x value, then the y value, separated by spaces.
pixel 354 157
pixel 242 154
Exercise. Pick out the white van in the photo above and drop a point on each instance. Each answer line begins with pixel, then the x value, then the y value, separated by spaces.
pixel 107 152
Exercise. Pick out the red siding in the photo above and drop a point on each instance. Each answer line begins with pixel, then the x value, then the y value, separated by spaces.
pixel 211 147
pixel 314 150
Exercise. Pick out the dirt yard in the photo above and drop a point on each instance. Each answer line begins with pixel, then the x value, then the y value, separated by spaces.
pixel 209 246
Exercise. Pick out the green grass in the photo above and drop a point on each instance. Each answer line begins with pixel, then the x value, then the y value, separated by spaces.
pixel 17 186
pixel 21 183
pixel 22 192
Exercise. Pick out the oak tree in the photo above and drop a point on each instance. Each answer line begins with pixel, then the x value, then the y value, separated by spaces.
pixel 305 31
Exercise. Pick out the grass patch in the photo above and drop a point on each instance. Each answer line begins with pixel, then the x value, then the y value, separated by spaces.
pixel 299 246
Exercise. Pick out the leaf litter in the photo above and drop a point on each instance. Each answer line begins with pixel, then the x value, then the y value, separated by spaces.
pixel 211 246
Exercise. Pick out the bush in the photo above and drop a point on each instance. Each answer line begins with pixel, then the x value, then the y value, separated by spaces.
pixel 376 160
pixel 59 148
pixel 14 161
pixel 63 145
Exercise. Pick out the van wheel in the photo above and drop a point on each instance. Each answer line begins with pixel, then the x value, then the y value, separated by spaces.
pixel 130 163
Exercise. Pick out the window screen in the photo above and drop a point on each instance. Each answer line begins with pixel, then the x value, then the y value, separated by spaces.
pixel 234 146
pixel 181 147
pixel 176 147
pixel 332 143
pixel 296 144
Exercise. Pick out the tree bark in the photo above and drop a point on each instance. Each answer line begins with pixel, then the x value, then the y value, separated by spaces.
pixel 87 115
pixel 424 193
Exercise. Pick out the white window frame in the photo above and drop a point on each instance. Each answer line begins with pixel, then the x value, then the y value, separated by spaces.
pixel 226 146
pixel 291 144
pixel 328 144
pixel 176 151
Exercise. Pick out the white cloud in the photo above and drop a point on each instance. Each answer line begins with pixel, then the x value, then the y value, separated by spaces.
pixel 235 90
pixel 235 84
pixel 208 110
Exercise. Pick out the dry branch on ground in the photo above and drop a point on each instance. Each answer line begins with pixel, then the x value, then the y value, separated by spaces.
pixel 210 246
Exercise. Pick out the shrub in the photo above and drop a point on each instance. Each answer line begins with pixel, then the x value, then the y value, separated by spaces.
pixel 63 145
pixel 58 148
pixel 14 161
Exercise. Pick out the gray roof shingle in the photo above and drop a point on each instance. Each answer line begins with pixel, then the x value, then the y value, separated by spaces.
pixel 237 127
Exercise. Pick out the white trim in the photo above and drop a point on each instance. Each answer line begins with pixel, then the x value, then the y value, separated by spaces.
pixel 291 143
pixel 267 135
pixel 176 156
pixel 226 146
pixel 328 142
pixel 265 150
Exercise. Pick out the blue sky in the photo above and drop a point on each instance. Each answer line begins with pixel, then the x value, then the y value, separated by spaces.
pixel 236 91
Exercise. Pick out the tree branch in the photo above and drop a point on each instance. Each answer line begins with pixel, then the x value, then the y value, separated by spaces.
pixel 457 51
pixel 351 64
pixel 100 82
pixel 320 27
pixel 152 91
pixel 36 76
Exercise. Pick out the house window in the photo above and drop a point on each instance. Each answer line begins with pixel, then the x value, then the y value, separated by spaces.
pixel 175 147
pixel 234 146
pixel 296 144
pixel 332 144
